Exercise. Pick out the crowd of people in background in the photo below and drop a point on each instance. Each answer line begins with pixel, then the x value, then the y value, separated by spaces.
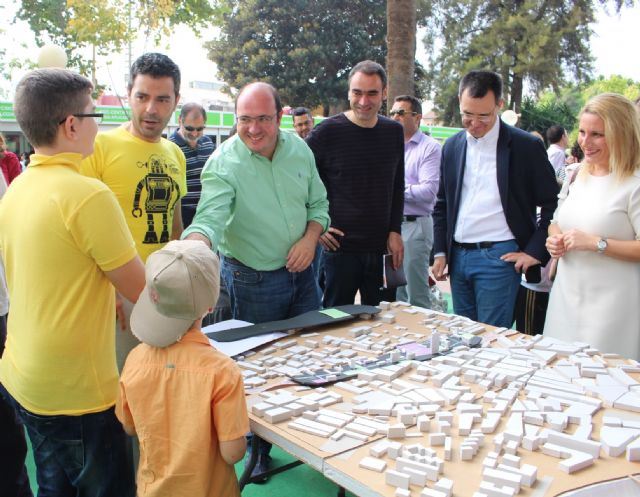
pixel 268 225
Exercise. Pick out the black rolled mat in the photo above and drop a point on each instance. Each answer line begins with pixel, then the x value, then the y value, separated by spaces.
pixel 307 320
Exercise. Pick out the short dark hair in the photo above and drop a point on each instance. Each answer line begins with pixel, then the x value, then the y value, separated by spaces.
pixel 274 93
pixel 577 152
pixel 478 83
pixel 301 111
pixel 555 133
pixel 369 68
pixel 190 107
pixel 45 97
pixel 416 106
pixel 156 65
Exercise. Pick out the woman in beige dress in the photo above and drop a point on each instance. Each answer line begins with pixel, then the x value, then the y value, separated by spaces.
pixel 595 234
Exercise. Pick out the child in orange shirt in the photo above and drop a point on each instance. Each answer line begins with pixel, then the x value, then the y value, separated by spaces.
pixel 183 398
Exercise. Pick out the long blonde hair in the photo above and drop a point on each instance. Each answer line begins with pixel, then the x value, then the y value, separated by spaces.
pixel 621 131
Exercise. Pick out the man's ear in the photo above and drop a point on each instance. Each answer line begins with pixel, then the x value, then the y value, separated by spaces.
pixel 501 104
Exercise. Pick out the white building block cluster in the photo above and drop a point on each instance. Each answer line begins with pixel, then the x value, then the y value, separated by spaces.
pixel 527 394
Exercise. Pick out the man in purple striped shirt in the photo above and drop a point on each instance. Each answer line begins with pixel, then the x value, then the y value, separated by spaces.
pixel 421 177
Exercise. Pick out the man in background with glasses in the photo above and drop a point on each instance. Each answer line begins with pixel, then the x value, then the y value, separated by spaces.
pixel 421 175
pixel 263 207
pixel 62 263
pixel 492 178
pixel 196 147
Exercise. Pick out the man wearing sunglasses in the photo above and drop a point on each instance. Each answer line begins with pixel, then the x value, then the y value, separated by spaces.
pixel 492 178
pixel 196 147
pixel 421 175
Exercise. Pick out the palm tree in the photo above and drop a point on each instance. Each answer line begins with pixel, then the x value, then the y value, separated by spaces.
pixel 401 47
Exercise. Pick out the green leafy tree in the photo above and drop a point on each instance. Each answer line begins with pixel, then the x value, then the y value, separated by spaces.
pixel 304 48
pixel 105 26
pixel 541 42
pixel 563 106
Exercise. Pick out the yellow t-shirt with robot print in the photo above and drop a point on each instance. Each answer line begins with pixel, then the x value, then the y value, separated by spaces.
pixel 148 180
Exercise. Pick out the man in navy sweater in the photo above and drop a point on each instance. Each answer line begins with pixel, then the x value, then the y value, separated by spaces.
pixel 360 157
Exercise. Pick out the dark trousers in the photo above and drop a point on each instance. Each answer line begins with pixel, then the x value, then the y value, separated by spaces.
pixel 13 446
pixel 349 273
pixel 531 311
pixel 78 456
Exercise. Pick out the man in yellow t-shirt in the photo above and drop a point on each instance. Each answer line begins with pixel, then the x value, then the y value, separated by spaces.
pixel 146 172
pixel 63 256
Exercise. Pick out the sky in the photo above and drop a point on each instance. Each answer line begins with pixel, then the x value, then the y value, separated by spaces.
pixel 613 44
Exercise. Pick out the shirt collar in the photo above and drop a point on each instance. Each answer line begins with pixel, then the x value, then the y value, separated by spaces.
pixel 490 138
pixel 69 159
pixel 417 136
pixel 196 336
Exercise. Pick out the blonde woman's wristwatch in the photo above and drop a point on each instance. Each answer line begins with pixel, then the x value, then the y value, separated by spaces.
pixel 602 245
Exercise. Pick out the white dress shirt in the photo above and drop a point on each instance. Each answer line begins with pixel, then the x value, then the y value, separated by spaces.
pixel 556 157
pixel 480 216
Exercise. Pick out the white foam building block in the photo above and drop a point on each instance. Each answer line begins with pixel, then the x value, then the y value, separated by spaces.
pixel 633 450
pixel 432 492
pixel 397 479
pixel 502 478
pixel 573 460
pixel 430 471
pixel 490 422
pixel 396 431
pixel 394 449
pixel 528 472
pixel 615 439
pixel 379 449
pixel 569 441
pixel 628 402
pixel 373 464
pixel 445 486
pixel 490 489
pixel 401 492
pixel 448 451
pixel 437 439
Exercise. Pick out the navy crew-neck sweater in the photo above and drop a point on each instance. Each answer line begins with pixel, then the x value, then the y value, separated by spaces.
pixel 363 171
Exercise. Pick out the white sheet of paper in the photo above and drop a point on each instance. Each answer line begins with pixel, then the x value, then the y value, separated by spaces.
pixel 238 347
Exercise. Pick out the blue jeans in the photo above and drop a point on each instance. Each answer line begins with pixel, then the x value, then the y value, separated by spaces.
pixel 347 273
pixel 78 456
pixel 263 296
pixel 483 287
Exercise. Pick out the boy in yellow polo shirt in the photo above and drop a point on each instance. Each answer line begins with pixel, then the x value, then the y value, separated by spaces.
pixel 65 245
pixel 189 446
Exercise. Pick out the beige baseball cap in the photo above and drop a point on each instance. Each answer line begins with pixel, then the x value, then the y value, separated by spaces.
pixel 182 284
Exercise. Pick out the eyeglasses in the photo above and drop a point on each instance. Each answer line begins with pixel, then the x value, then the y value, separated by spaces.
pixel 402 112
pixel 481 118
pixel 191 129
pixel 247 120
pixel 97 117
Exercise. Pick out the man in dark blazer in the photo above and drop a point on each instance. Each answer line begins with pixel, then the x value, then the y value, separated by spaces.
pixel 492 179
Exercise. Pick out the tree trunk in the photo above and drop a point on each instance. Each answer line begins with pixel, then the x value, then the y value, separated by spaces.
pixel 516 93
pixel 401 48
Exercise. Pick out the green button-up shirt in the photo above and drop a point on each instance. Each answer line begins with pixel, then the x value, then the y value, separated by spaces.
pixel 254 209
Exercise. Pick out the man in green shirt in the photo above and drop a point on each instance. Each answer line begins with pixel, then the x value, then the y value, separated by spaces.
pixel 263 207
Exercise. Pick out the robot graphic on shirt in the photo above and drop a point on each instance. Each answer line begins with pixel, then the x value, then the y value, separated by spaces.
pixel 161 189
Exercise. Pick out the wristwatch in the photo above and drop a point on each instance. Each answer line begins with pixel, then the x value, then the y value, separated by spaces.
pixel 602 245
